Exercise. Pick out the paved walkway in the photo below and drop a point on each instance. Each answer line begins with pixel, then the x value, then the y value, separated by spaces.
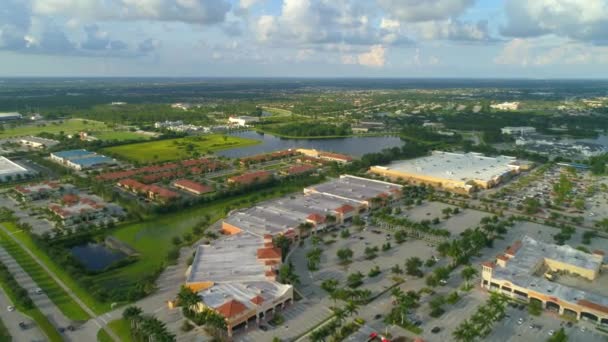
pixel 11 321
pixel 43 302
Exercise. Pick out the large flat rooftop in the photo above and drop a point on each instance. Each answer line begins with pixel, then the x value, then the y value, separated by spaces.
pixel 354 188
pixel 521 268
pixel 230 259
pixel 8 167
pixel 243 292
pixel 263 219
pixel 457 167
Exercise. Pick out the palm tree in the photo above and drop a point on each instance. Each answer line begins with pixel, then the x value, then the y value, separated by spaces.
pixel 339 314
pixel 351 308
pixel 465 332
pixel 188 298
pixel 132 314
pixel 467 274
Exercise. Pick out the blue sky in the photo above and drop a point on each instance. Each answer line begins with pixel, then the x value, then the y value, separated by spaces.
pixel 305 38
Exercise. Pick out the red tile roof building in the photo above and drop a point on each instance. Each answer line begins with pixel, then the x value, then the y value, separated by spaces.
pixel 193 187
pixel 250 178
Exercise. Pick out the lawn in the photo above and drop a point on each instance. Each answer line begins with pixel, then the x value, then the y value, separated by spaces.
pixel 65 303
pixel 67 126
pixel 175 149
pixel 152 239
pixel 121 329
pixel 119 135
pixel 4 335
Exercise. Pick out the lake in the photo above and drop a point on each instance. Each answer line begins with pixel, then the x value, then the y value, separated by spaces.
pixel 354 146
pixel 96 257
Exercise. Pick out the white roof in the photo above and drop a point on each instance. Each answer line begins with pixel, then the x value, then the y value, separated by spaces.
pixel 8 167
pixel 456 167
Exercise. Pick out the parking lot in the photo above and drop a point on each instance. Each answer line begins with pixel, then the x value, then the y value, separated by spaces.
pixel 519 326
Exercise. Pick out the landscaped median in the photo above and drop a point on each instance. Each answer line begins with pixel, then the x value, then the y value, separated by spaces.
pixel 121 329
pixel 56 293
pixel 15 293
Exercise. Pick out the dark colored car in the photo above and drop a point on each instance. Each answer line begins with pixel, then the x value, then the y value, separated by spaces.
pixel 435 330
pixel 22 325
pixel 263 328
pixel 378 316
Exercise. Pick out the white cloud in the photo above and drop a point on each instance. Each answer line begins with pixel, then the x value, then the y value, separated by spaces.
pixel 529 52
pixel 189 11
pixel 515 52
pixel 322 22
pixel 389 24
pixel 578 19
pixel 374 58
pixel 425 10
pixel 452 30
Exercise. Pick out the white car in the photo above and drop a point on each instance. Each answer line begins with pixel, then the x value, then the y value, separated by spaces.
pixel 520 321
pixel 10 308
pixel 38 290
pixel 551 332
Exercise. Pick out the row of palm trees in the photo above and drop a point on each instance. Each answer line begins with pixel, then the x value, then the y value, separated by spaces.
pixel 331 329
pixel 146 328
pixel 402 304
pixel 480 324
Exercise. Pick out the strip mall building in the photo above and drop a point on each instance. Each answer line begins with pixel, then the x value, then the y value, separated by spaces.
pixel 529 270
pixel 236 275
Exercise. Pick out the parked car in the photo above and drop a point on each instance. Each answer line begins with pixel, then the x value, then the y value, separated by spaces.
pixel 435 330
pixel 22 325
pixel 10 308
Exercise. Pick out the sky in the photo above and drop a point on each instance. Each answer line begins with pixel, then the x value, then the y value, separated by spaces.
pixel 305 38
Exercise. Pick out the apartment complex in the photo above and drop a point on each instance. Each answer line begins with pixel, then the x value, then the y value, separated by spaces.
pixel 530 270
pixel 456 172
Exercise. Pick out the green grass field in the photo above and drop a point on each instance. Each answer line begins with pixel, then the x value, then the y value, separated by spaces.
pixel 119 135
pixel 65 303
pixel 121 329
pixel 175 149
pixel 67 126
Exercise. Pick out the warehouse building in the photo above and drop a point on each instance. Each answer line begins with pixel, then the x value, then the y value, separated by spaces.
pixel 236 277
pixel 10 116
pixel 529 270
pixel 456 172
pixel 9 170
pixel 82 159
pixel 37 142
